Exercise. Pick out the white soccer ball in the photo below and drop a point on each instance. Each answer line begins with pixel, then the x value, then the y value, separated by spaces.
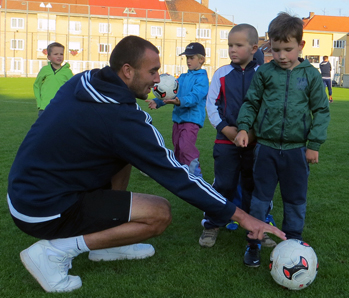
pixel 167 88
pixel 293 264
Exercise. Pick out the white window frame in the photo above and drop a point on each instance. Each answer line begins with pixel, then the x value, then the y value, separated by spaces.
pixel 131 29
pixel 181 32
pixel 104 28
pixel 156 31
pixel 203 33
pixel 43 25
pixel 224 34
pixel 17 44
pixel 316 43
pixel 74 27
pixel 17 23
pixel 42 44
pixel 208 52
pixel 17 65
pixel 106 48
pixel 223 53
pixel 339 44
pixel 179 50
pixel 74 45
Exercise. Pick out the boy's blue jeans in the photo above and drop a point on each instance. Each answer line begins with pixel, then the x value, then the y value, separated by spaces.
pixel 231 164
pixel 290 169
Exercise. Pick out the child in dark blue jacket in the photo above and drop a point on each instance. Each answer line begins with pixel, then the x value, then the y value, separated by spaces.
pixel 225 97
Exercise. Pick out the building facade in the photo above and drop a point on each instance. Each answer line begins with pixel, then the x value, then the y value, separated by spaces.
pixel 327 36
pixel 90 29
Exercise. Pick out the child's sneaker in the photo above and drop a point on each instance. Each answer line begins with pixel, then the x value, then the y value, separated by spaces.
pixel 233 225
pixel 267 241
pixel 208 237
pixel 270 220
pixel 49 266
pixel 252 257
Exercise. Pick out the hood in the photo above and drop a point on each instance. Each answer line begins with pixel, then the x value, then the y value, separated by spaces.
pixel 103 86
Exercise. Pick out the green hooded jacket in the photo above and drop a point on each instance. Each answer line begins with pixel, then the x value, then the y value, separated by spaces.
pixel 48 82
pixel 287 108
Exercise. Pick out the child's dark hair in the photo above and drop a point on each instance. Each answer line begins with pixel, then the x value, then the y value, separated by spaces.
pixel 284 27
pixel 52 45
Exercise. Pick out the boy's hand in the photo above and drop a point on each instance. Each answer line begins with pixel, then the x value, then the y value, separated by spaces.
pixel 230 132
pixel 174 101
pixel 312 156
pixel 151 104
pixel 241 139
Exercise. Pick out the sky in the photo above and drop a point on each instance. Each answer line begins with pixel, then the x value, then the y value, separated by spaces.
pixel 259 13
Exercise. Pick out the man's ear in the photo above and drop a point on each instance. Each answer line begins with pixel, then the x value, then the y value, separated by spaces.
pixel 127 71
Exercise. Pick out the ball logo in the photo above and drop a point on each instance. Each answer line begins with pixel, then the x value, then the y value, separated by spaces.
pixel 302 265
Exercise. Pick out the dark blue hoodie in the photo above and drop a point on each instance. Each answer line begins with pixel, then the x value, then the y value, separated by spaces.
pixel 90 131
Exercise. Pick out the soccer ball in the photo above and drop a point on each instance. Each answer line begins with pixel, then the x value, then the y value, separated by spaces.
pixel 293 264
pixel 167 88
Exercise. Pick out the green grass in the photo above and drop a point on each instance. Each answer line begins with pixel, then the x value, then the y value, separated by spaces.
pixel 180 267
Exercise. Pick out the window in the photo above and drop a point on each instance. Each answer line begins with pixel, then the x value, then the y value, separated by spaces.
pixel 223 53
pixel 131 29
pixel 17 23
pixel 156 31
pixel 44 24
pixel 74 27
pixel 208 52
pixel 17 44
pixel 42 44
pixel 17 64
pixel 74 45
pixel 203 33
pixel 104 48
pixel 316 43
pixel 313 59
pixel 339 44
pixel 179 50
pixel 104 28
pixel 224 34
pixel 181 32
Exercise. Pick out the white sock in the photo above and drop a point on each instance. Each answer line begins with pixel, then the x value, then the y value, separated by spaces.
pixel 75 243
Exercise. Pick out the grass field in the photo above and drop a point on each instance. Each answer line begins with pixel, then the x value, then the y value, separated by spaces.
pixel 180 267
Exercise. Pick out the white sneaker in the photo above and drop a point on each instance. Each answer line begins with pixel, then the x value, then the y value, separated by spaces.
pixel 49 266
pixel 134 251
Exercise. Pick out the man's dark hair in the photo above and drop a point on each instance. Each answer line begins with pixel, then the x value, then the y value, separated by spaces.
pixel 52 45
pixel 284 27
pixel 130 50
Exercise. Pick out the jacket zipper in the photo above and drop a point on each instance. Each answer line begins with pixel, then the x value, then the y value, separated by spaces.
pixel 285 108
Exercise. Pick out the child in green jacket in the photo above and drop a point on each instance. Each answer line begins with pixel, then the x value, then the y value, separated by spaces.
pixel 287 106
pixel 51 77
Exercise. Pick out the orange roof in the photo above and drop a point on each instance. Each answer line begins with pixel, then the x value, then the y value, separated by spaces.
pixel 326 23
pixel 137 8
pixel 190 9
pixel 193 12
